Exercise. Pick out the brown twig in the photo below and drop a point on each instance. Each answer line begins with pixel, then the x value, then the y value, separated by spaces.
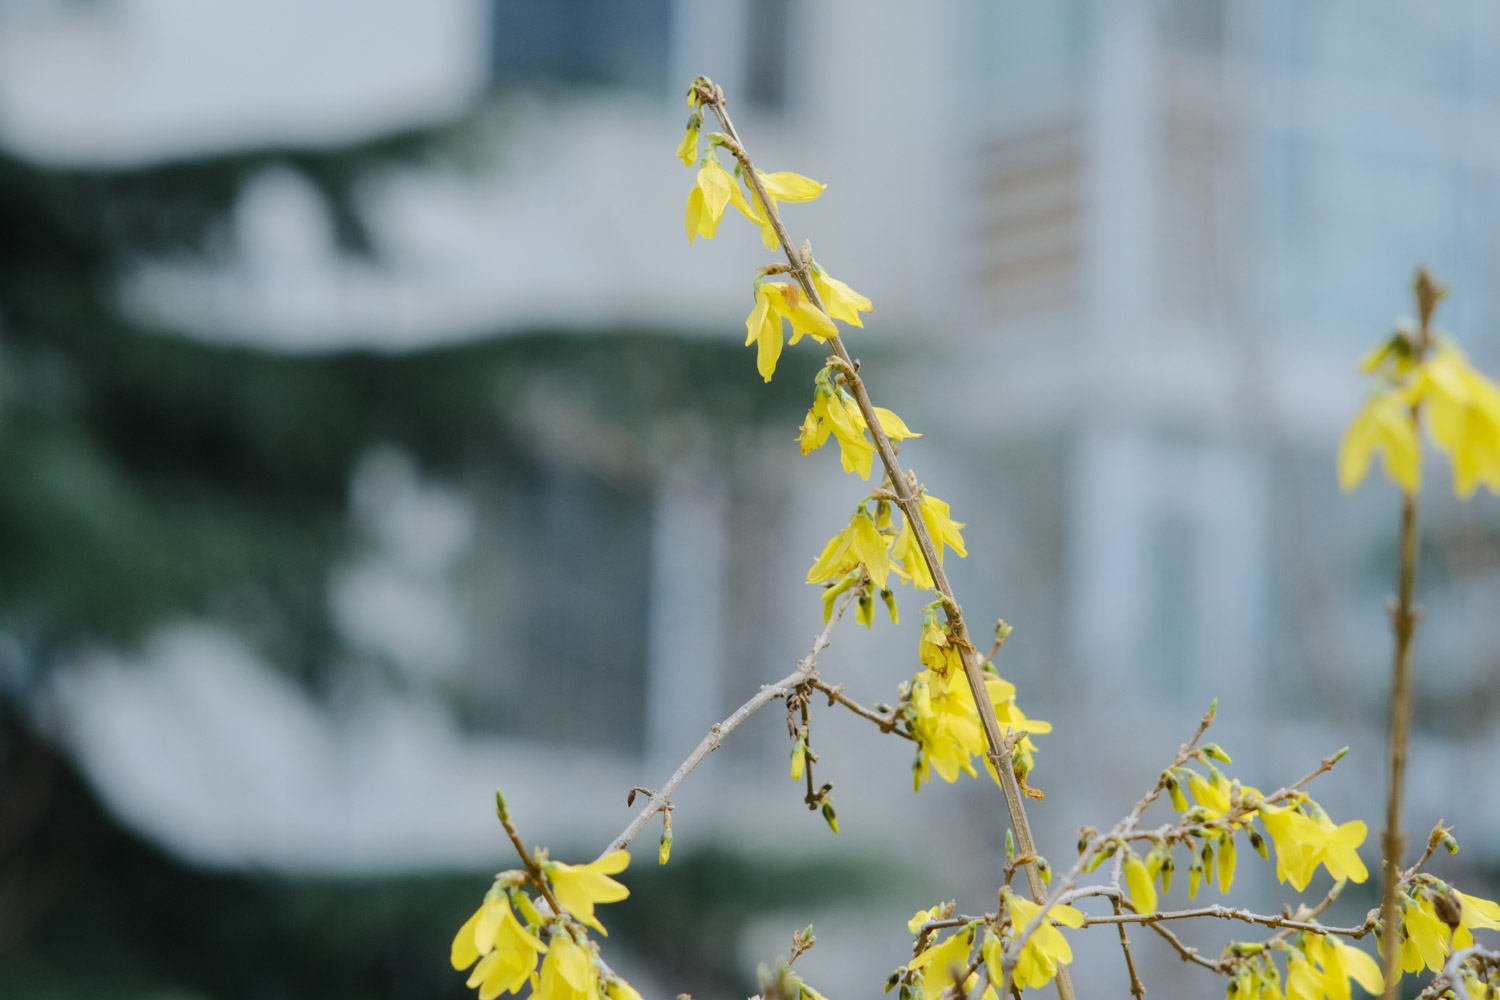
pixel 533 870
pixel 1403 626
pixel 835 693
pixel 1188 954
pixel 716 733
pixel 1136 988
pixel 1230 913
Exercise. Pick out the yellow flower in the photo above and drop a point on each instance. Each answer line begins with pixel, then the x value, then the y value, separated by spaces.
pixel 568 973
pixel 1424 936
pixel 618 989
pixel 835 411
pixel 1013 720
pixel 941 526
pixel 715 189
pixel 1047 948
pixel 1464 411
pixel 1213 796
pixel 842 301
pixel 1226 862
pixel 1474 912
pixel 1340 963
pixel 579 887
pixel 1298 843
pixel 687 149
pixel 1139 882
pixel 505 950
pixel 922 916
pixel 1384 425
pixel 944 720
pixel 944 725
pixel 775 301
pixel 1337 853
pixel 1302 983
pixel 782 186
pixel 940 961
pixel 908 553
pixel 859 544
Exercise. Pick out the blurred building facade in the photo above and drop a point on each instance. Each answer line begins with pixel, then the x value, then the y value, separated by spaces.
pixel 1124 255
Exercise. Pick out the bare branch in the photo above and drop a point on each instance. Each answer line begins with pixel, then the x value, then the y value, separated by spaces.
pixel 1136 988
pixel 806 668
pixel 835 693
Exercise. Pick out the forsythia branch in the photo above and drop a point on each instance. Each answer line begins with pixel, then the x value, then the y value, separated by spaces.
pixel 806 668
pixel 800 262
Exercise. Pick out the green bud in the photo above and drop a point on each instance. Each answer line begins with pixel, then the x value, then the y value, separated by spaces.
pixel 1213 710
pixel 1207 854
pixel 1340 755
pixel 1167 867
pixel 1259 843
pixel 1003 630
pixel 501 809
pixel 1043 869
pixel 665 850
pixel 522 903
pixel 1449 844
pixel 1217 753
pixel 1174 789
pixel 892 980
pixel 831 817
pixel 1010 845
pixel 890 605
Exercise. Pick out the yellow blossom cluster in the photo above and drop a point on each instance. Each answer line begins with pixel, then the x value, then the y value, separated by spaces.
pixel 941 963
pixel 1437 919
pixel 940 714
pixel 1439 386
pixel 870 550
pixel 714 190
pixel 835 413
pixel 1303 834
pixel 1318 966
pixel 504 950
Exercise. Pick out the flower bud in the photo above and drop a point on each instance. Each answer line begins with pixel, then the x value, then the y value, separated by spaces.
pixel 665 850
pixel 831 817
pixel 1217 753
pixel 1259 843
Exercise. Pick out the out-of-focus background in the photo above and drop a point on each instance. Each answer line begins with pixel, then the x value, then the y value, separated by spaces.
pixel 371 438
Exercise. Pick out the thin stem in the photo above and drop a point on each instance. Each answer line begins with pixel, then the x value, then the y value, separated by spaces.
pixel 1188 954
pixel 999 751
pixel 1136 988
pixel 835 693
pixel 716 733
pixel 1229 913
pixel 1403 624
pixel 533 869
